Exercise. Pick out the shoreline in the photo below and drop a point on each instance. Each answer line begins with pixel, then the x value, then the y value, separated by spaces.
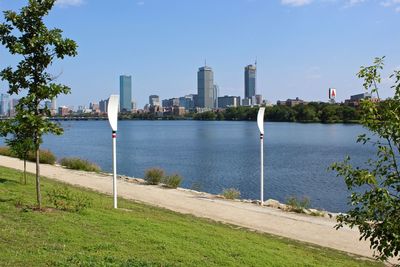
pixel 310 229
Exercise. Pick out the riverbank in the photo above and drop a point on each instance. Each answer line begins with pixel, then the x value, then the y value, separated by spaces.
pixel 311 229
pixel 136 234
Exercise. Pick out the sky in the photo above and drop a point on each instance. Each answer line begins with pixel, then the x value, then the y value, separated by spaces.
pixel 302 47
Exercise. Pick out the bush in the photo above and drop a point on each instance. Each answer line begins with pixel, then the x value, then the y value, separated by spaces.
pixel 298 205
pixel 172 181
pixel 46 156
pixel 64 199
pixel 79 164
pixel 154 176
pixel 231 193
pixel 5 151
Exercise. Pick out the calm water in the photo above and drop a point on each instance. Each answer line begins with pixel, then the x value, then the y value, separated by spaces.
pixel 212 156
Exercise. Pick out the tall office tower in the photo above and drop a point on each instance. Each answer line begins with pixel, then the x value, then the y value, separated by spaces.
pixel 215 95
pixel 205 87
pixel 4 104
pixel 125 91
pixel 154 100
pixel 250 72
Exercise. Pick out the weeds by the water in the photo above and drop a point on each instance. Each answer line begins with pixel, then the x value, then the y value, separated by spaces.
pixel 79 164
pixel 231 193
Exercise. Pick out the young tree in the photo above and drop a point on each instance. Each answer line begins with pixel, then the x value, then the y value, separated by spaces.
pixel 375 188
pixel 26 35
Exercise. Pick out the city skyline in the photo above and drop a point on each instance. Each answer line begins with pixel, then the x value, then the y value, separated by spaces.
pixel 302 47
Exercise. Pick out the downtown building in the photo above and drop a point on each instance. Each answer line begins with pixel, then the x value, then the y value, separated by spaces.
pixel 125 92
pixel 205 88
pixel 4 104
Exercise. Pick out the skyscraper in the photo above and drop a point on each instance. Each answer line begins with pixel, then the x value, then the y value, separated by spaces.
pixel 205 87
pixel 215 95
pixel 125 91
pixel 250 81
pixel 4 104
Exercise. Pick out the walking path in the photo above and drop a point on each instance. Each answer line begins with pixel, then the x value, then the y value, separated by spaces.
pixel 315 230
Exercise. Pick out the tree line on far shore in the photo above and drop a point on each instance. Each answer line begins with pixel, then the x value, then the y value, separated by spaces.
pixel 311 112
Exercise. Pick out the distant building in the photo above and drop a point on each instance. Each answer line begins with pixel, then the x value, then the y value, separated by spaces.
pixel 360 97
pixel 95 107
pixel 250 74
pixel 215 96
pixel 64 111
pixel 356 99
pixel 4 104
pixel 134 106
pixel 228 101
pixel 125 91
pixel 103 106
pixel 154 100
pixel 187 102
pixel 13 104
pixel 53 108
pixel 170 102
pixel 178 111
pixel 205 87
pixel 291 102
pixel 257 100
pixel 246 102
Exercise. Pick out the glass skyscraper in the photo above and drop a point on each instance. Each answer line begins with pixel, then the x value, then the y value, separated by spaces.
pixel 250 81
pixel 205 87
pixel 125 91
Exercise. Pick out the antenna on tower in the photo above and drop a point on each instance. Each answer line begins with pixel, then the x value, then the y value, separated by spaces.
pixel 205 62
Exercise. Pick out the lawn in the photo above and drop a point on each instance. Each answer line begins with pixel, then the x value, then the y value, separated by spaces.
pixel 135 235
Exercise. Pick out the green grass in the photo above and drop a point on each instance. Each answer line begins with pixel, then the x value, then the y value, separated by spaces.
pixel 136 235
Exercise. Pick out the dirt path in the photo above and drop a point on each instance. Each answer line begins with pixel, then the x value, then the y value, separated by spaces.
pixel 315 230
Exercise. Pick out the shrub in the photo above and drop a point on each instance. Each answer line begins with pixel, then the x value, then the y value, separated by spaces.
pixel 5 151
pixel 79 164
pixel 231 193
pixel 154 176
pixel 64 199
pixel 172 181
pixel 298 205
pixel 46 156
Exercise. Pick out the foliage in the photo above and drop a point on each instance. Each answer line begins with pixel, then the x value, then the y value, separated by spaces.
pixel 154 175
pixel 208 116
pixel 138 235
pixel 375 188
pixel 47 157
pixel 79 164
pixel 231 193
pixel 172 181
pixel 298 205
pixel 311 112
pixel 64 199
pixel 24 34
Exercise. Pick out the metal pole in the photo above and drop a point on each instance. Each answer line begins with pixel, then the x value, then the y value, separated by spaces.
pixel 114 151
pixel 262 168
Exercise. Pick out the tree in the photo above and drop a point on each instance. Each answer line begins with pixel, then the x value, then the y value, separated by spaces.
pixel 26 35
pixel 375 188
pixel 21 143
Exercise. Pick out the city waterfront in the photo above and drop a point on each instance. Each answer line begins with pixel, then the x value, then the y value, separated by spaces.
pixel 213 155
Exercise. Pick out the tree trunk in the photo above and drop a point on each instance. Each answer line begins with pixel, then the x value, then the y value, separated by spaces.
pixel 38 194
pixel 25 170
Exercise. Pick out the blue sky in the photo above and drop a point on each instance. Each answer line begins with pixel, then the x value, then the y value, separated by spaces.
pixel 302 47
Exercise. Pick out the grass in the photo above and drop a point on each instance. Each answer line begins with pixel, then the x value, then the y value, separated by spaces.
pixel 231 193
pixel 135 235
pixel 79 164
pixel 45 156
pixel 172 181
